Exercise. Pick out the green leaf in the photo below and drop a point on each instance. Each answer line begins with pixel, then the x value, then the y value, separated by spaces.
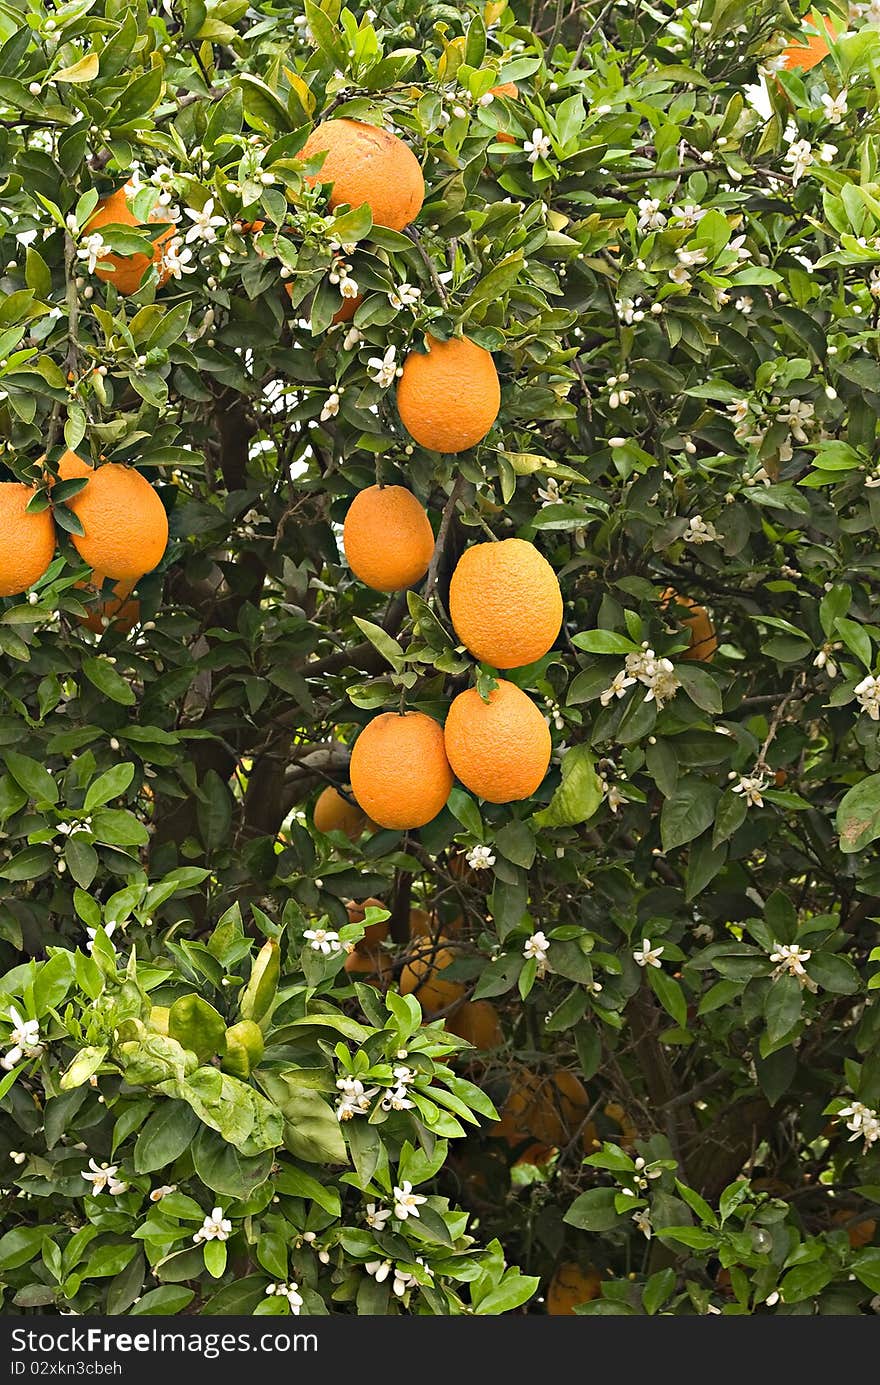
pixel 858 815
pixel 688 812
pixel 169 1131
pixel 196 1025
pixel 85 70
pixel 517 844
pixel 514 1290
pixel 111 784
pixel 782 1007
pixel 578 796
pixel 386 644
pixel 105 678
pixel 311 1129
pixel 463 807
pixel 604 642
pixel 36 781
pixel 593 1210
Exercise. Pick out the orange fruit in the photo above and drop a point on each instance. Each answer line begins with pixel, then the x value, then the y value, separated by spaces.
pixel 807 53
pixel 861 1233
pixel 477 1021
pixel 127 272
pixel 421 923
pixel 628 1132
pixel 547 1108
pixel 27 541
pixel 703 642
pixel 505 603
pixel 399 771
pixel 376 932
pixel 348 309
pixel 425 925
pixel 126 527
pixel 367 164
pixel 570 1286
pixel 421 977
pixel 116 610
pixel 511 91
pixel 499 749
pixel 388 538
pixel 333 813
pixel 372 966
pixel 344 313
pixel 448 397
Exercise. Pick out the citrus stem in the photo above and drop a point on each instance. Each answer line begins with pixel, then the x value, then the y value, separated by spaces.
pixel 72 299
pixel 443 534
pixel 428 263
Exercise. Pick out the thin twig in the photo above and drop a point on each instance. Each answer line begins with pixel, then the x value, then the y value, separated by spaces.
pixel 414 236
pixel 72 360
pixel 443 534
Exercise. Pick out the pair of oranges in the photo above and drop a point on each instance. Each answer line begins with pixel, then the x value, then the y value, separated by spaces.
pixel 449 396
pixel 402 764
pixel 124 522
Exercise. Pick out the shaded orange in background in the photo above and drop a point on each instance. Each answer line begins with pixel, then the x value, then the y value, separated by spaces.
pixel 814 48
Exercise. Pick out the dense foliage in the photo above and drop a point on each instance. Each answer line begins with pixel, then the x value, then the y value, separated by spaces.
pixel 675 260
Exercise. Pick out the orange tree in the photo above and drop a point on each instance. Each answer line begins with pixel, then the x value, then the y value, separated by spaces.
pixel 560 996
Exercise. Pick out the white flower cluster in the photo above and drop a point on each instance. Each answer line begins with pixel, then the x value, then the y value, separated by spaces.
pixel 397 1099
pixel 401 1279
pixel 384 369
pixel 657 675
pixel 648 955
pixel 290 1292
pixel 104 1176
pixel 536 949
pixel 340 275
pixel 751 786
pixel 323 940
pixel 538 147
pixel 480 858
pixel 355 1098
pixel 867 694
pixel 801 156
pixel 700 531
pixel 790 959
pixel 862 1121
pixel 23 1042
pixel 214 1228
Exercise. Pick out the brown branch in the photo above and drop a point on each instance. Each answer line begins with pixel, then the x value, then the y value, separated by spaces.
pixel 443 534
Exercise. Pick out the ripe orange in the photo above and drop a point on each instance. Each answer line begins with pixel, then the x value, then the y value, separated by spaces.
pixel 499 749
pixel 628 1132
pixel 399 771
pixel 127 272
pixel 126 528
pixel 367 164
pixel 570 1286
pixel 27 542
pixel 388 538
pixel 703 642
pixel 511 91
pixel 546 1108
pixel 861 1233
pixel 116 610
pixel 449 396
pixel 813 49
pixel 505 603
pixel 371 966
pixel 344 313
pixel 333 813
pixel 477 1021
pixel 421 977
pixel 376 932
